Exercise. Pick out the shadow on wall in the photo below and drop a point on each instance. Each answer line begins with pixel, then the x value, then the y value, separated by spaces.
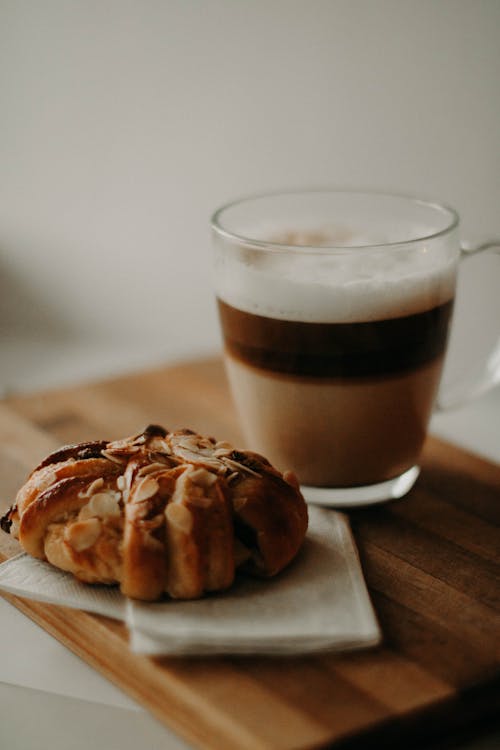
pixel 29 326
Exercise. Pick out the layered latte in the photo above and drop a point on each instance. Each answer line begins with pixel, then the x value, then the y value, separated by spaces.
pixel 335 374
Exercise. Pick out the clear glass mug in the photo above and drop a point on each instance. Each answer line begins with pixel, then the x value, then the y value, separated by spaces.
pixel 335 309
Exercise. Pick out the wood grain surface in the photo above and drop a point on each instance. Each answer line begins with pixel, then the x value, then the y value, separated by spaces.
pixel 430 562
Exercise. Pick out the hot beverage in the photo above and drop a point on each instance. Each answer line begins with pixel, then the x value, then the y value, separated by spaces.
pixel 335 309
pixel 342 392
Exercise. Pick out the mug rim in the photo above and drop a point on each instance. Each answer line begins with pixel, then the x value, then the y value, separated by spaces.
pixel 274 246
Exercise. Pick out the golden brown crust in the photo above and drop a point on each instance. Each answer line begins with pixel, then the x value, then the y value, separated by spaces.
pixel 199 535
pixel 270 513
pixel 144 543
pixel 46 475
pixel 159 513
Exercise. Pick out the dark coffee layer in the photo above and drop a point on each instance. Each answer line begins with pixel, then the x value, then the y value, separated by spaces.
pixel 374 348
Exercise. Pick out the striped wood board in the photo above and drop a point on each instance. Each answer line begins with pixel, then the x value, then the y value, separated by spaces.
pixel 430 561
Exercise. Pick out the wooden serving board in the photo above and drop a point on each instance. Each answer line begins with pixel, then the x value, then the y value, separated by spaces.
pixel 430 561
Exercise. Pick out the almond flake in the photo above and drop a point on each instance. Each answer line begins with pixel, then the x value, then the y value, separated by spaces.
pixel 198 458
pixel 101 505
pixel 238 467
pixel 221 452
pixel 116 459
pixel 82 534
pixel 202 477
pixel 151 469
pixel 159 445
pixel 145 489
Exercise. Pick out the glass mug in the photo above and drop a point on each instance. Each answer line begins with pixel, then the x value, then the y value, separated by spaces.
pixel 335 309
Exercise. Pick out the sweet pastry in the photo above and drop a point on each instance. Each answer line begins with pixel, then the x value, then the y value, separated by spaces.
pixel 159 512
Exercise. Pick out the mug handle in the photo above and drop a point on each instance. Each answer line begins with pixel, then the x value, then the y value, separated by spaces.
pixel 461 392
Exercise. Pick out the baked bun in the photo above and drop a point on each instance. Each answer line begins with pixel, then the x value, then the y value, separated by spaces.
pixel 159 512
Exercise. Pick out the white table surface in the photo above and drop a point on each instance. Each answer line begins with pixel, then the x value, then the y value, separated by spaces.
pixel 50 698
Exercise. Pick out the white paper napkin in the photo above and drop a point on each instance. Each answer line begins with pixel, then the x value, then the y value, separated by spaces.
pixel 34 579
pixel 319 602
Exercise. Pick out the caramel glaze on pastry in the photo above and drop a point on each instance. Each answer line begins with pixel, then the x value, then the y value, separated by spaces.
pixel 159 512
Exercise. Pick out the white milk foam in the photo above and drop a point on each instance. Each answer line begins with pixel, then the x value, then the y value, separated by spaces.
pixel 348 288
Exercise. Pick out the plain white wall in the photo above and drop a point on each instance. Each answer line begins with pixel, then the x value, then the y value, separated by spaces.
pixel 124 124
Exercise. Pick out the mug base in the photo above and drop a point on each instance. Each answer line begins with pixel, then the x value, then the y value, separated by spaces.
pixel 357 497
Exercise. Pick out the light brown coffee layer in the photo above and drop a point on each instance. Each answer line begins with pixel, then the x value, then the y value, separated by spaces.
pixel 338 432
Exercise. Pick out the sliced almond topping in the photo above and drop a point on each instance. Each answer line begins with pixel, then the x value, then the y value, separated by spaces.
pixel 191 441
pixel 236 466
pixel 101 505
pixel 82 534
pixel 223 445
pixel 129 474
pixel 202 477
pixel 222 452
pixel 93 487
pixel 151 469
pixel 198 458
pixel 96 485
pixel 114 457
pixel 123 445
pixel 163 458
pixel 121 482
pixel 145 489
pixel 197 444
pixel 179 516
pixel 159 445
